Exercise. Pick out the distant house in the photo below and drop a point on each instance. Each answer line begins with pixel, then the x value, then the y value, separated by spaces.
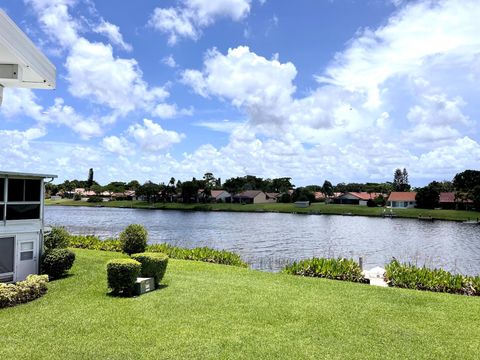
pixel 84 193
pixel 452 200
pixel 254 197
pixel 355 198
pixel 126 195
pixel 404 200
pixel 220 195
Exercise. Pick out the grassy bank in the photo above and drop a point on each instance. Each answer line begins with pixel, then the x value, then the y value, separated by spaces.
pixel 315 208
pixel 208 311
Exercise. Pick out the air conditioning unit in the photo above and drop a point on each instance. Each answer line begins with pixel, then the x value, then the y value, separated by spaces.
pixel 144 285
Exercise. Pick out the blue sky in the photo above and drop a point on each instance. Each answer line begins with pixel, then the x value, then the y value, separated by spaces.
pixel 342 90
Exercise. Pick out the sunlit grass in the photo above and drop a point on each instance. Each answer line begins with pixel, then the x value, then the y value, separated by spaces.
pixel 208 311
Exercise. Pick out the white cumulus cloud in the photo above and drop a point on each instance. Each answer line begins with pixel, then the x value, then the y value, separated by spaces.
pixel 152 137
pixel 191 16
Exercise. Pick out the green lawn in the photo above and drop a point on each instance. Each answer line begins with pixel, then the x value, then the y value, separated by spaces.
pixel 332 209
pixel 209 311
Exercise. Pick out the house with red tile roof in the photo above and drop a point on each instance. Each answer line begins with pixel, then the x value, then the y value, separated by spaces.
pixel 404 200
pixel 355 198
pixel 452 200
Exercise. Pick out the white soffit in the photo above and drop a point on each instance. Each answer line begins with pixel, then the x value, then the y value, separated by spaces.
pixel 21 63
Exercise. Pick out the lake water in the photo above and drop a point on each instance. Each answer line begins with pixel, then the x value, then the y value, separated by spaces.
pixel 270 240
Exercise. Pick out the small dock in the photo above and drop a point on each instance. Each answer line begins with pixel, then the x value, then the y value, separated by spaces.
pixel 425 218
pixel 375 276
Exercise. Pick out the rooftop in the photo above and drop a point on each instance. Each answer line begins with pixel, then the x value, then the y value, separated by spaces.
pixel 22 174
pixel 22 64
pixel 402 196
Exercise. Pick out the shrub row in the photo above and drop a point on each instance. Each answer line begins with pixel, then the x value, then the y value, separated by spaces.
pixel 31 288
pixel 174 252
pixel 205 254
pixel 421 278
pixel 336 269
pixel 122 273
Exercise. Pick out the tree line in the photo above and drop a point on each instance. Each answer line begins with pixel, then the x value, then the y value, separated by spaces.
pixel 466 185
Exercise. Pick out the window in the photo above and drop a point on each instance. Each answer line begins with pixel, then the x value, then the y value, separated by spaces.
pixel 26 251
pixel 23 212
pixel 24 190
pixel 23 200
pixel 7 246
pixel 2 190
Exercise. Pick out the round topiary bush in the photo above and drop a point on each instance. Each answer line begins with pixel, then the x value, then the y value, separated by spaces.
pixel 58 238
pixel 56 262
pixel 133 239
pixel 153 265
pixel 122 274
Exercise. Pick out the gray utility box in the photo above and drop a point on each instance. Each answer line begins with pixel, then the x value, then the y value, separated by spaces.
pixel 144 285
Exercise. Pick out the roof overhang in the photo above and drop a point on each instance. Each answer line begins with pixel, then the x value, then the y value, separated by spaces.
pixel 26 175
pixel 21 63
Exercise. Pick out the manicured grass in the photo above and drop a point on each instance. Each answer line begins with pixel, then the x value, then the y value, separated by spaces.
pixel 315 208
pixel 209 311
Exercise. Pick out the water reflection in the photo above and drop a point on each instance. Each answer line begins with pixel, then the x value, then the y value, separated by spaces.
pixel 270 240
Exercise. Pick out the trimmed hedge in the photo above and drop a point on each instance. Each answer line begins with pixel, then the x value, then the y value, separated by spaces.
pixel 133 239
pixel 33 287
pixel 153 265
pixel 335 269
pixel 57 238
pixel 409 276
pixel 122 275
pixel 56 262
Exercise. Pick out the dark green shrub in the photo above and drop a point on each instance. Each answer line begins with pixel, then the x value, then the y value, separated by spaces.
pixel 153 265
pixel 336 269
pixel 421 278
pixel 31 288
pixel 77 197
pixel 199 254
pixel 56 262
pixel 95 199
pixel 57 238
pixel 371 203
pixel 133 239
pixel 122 275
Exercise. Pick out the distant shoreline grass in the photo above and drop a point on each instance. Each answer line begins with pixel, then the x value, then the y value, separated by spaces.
pixel 313 209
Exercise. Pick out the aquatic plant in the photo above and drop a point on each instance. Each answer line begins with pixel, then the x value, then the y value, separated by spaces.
pixel 335 269
pixel 422 278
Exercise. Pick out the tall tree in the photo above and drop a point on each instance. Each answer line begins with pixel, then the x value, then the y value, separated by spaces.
pixel 428 196
pixel 132 185
pixel 149 190
pixel 327 188
pixel 466 180
pixel 400 180
pixel 90 178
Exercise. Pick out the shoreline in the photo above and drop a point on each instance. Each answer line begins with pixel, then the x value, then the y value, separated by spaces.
pixel 313 209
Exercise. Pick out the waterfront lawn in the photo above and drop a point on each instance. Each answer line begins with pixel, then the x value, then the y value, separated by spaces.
pixel 330 209
pixel 208 311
